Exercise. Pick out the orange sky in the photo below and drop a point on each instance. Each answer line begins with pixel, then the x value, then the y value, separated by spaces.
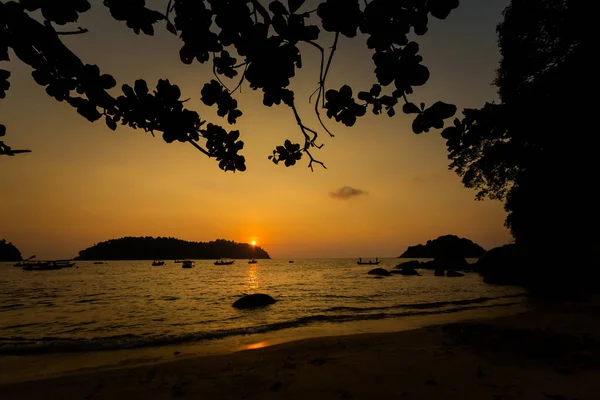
pixel 84 184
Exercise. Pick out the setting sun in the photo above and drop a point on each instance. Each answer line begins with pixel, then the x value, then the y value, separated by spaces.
pixel 253 243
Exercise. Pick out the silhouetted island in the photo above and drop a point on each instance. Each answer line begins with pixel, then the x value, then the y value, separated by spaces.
pixel 9 252
pixel 444 246
pixel 167 248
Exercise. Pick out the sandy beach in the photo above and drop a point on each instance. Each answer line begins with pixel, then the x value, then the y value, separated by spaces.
pixel 549 353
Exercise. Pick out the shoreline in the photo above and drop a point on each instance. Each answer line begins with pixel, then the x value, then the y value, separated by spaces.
pixel 537 354
pixel 31 367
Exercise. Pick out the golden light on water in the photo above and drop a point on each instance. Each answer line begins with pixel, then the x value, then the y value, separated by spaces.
pixel 254 346
pixel 252 279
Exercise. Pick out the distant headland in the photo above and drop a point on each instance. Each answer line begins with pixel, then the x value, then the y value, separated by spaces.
pixel 444 246
pixel 167 248
pixel 9 252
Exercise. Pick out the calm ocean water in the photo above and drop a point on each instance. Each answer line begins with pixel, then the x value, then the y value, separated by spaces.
pixel 130 304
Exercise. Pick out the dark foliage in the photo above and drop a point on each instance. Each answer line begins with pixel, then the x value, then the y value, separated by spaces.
pixel 443 247
pixel 536 150
pixel 243 39
pixel 8 252
pixel 166 248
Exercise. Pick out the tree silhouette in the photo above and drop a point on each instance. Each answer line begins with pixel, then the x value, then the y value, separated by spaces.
pixel 243 39
pixel 167 248
pixel 535 150
pixel 8 251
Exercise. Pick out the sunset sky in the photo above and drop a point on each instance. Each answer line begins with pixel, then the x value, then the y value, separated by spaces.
pixel 385 188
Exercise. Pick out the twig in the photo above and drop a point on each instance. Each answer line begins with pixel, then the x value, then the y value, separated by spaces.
pixel 217 75
pixel 320 48
pixel 312 160
pixel 196 145
pixel 323 76
pixel 79 31
pixel 333 49
pixel 239 85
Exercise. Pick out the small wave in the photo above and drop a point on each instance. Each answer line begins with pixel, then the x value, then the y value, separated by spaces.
pixel 169 298
pixel 20 326
pixel 424 306
pixel 87 301
pixel 354 297
pixel 24 346
pixel 14 306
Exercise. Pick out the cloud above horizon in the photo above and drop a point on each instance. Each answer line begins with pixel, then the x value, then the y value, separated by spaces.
pixel 347 192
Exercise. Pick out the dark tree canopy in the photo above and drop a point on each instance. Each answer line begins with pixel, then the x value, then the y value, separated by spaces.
pixel 254 42
pixel 536 149
pixel 8 252
pixel 166 248
pixel 445 246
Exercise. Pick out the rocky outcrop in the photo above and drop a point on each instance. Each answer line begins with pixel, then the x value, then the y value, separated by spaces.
pixel 444 246
pixel 379 272
pixel 502 265
pixel 408 268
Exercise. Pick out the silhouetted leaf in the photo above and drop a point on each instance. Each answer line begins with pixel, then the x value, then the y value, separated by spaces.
pixel 4 83
pixel 442 110
pixel 450 132
pixel 141 88
pixel 89 111
pixel 410 108
pixel 294 5
pixel 111 123
pixel 277 7
pixel 442 8
pixel 375 90
pixel 171 28
pixel 330 11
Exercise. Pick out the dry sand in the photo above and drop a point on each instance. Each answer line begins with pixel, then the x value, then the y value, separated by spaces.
pixel 551 353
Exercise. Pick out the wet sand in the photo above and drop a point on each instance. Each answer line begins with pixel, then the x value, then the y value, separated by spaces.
pixel 550 353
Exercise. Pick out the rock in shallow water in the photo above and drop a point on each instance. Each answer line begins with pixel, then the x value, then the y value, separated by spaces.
pixel 253 301
pixel 379 272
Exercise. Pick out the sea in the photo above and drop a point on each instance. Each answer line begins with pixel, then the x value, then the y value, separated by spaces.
pixel 132 304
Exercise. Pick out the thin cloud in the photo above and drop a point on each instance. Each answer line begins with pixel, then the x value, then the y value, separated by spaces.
pixel 347 192
pixel 427 179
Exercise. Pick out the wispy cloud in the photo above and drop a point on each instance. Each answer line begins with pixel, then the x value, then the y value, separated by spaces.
pixel 427 179
pixel 347 192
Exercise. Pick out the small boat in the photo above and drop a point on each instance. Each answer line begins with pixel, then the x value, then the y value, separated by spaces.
pixel 65 263
pixel 223 262
pixel 158 263
pixel 253 261
pixel 370 262
pixel 187 264
pixel 291 261
pixel 98 262
pixel 25 261
pixel 47 265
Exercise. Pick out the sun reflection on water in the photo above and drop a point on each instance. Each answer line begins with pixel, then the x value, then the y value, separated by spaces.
pixel 252 278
